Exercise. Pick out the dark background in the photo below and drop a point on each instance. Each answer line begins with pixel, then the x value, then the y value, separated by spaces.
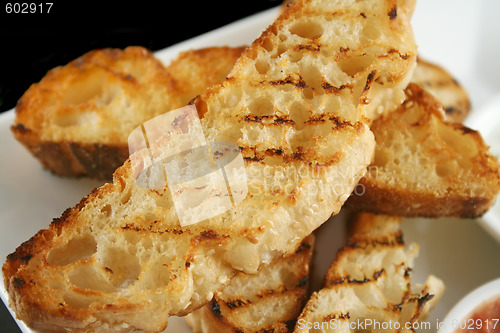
pixel 31 44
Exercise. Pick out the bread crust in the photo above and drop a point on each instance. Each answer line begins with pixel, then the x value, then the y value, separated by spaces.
pixel 73 159
pixel 400 202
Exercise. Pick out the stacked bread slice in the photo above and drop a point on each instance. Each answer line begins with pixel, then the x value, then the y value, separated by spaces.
pixel 368 286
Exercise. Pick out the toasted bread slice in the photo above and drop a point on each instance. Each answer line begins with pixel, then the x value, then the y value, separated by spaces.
pixel 298 101
pixel 427 166
pixel 77 119
pixel 75 134
pixel 444 87
pixel 269 301
pixel 368 285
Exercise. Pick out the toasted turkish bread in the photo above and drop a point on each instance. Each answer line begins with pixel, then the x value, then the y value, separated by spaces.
pixel 269 301
pixel 298 102
pixel 425 165
pixel 441 84
pixel 369 283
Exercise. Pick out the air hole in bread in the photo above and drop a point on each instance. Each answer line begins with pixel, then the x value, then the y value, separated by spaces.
pixel 261 107
pixel 354 65
pixel 456 140
pixel 122 267
pixel 295 56
pixel 90 277
pixel 411 115
pixel 368 295
pixel 268 44
pixel 106 210
pixel 282 48
pixel 132 237
pixel 307 29
pixel 84 89
pixel 77 301
pixel 299 139
pixel 262 66
pixel 132 70
pixel 76 249
pixel 308 93
pixel 371 32
pixel 446 169
pixel 76 118
pixel 299 115
pixel 157 276
pixel 382 158
pixel 56 284
pixel 289 278
pixel 312 77
pixel 126 196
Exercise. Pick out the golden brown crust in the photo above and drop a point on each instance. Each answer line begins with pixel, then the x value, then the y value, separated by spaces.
pixel 193 71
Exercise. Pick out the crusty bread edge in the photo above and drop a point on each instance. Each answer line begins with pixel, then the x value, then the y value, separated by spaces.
pixel 73 159
pixel 398 201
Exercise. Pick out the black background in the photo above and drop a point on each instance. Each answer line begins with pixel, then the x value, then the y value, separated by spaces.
pixel 31 44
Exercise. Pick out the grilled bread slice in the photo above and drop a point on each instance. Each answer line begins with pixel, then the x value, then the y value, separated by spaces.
pixel 446 89
pixel 368 285
pixel 269 301
pixel 297 101
pixel 427 166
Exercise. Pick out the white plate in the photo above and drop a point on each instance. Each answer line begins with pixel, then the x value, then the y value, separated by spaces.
pixel 487 120
pixel 30 197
